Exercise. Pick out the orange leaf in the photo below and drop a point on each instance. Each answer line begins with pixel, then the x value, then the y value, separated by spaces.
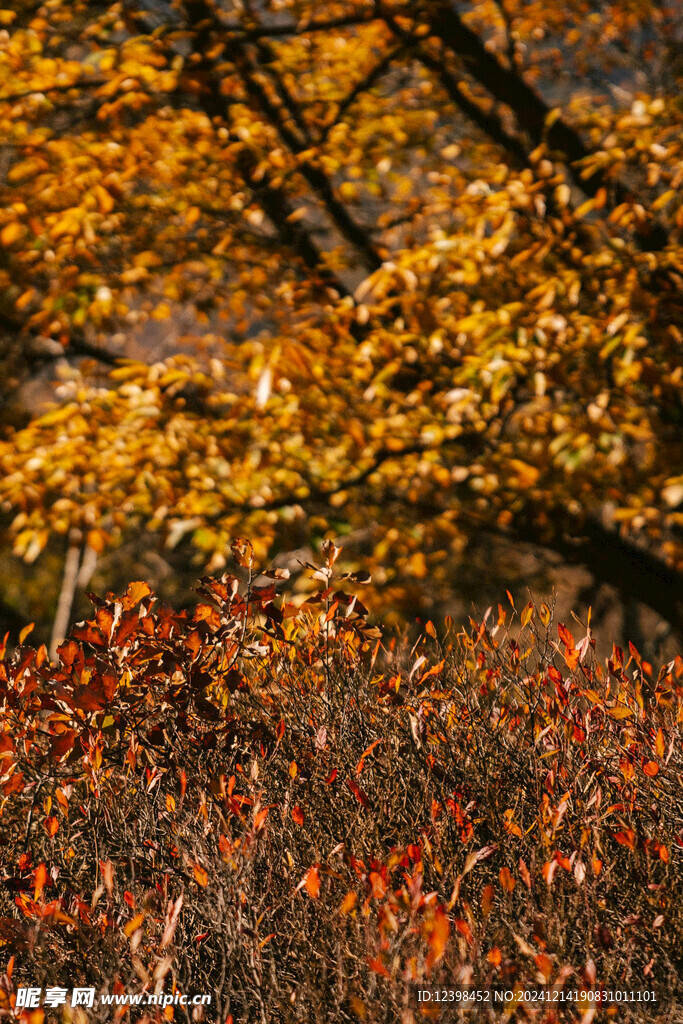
pixel 298 815
pixel 438 932
pixel 565 636
pixel 549 869
pixel 348 903
pixel 361 763
pixel 651 768
pixel 510 825
pixel 487 895
pixel 51 826
pixel 660 743
pixel 39 880
pixel 200 875
pixel 312 882
pixel 545 965
pixel 626 838
pixel 506 879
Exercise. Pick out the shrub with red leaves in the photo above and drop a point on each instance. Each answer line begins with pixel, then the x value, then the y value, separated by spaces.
pixel 264 801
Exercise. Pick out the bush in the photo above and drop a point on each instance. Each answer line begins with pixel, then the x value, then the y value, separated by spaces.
pixel 273 804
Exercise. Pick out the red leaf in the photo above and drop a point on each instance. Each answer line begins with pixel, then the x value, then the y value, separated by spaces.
pixel 626 838
pixel 378 967
pixel 358 793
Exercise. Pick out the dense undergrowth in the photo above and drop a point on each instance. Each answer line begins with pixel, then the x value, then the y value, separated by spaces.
pixel 276 805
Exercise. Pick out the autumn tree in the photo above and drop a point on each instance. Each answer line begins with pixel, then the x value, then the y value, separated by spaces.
pixel 417 267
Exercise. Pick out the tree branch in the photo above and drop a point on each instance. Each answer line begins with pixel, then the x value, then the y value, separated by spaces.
pixel 77 344
pixel 531 110
pixel 301 28
pixel 354 233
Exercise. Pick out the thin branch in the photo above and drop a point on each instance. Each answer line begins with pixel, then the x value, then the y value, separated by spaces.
pixel 353 232
pixel 362 86
pixel 77 344
pixel 84 83
pixel 66 594
pixel 532 112
pixel 472 440
pixel 301 28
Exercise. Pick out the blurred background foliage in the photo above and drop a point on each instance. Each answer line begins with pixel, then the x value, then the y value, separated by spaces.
pixel 402 275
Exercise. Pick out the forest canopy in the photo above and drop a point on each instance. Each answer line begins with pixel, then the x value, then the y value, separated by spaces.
pixel 400 274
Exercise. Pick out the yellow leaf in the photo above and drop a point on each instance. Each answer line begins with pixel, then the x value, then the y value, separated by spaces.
pixel 348 191
pixel 526 475
pixel 585 208
pixel 96 540
pixel 50 419
pixel 620 712
pixel 26 169
pixel 662 200
pixel 105 202
pixel 134 924
pixel 68 225
pixel 162 312
pixel 12 233
pixel 24 300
